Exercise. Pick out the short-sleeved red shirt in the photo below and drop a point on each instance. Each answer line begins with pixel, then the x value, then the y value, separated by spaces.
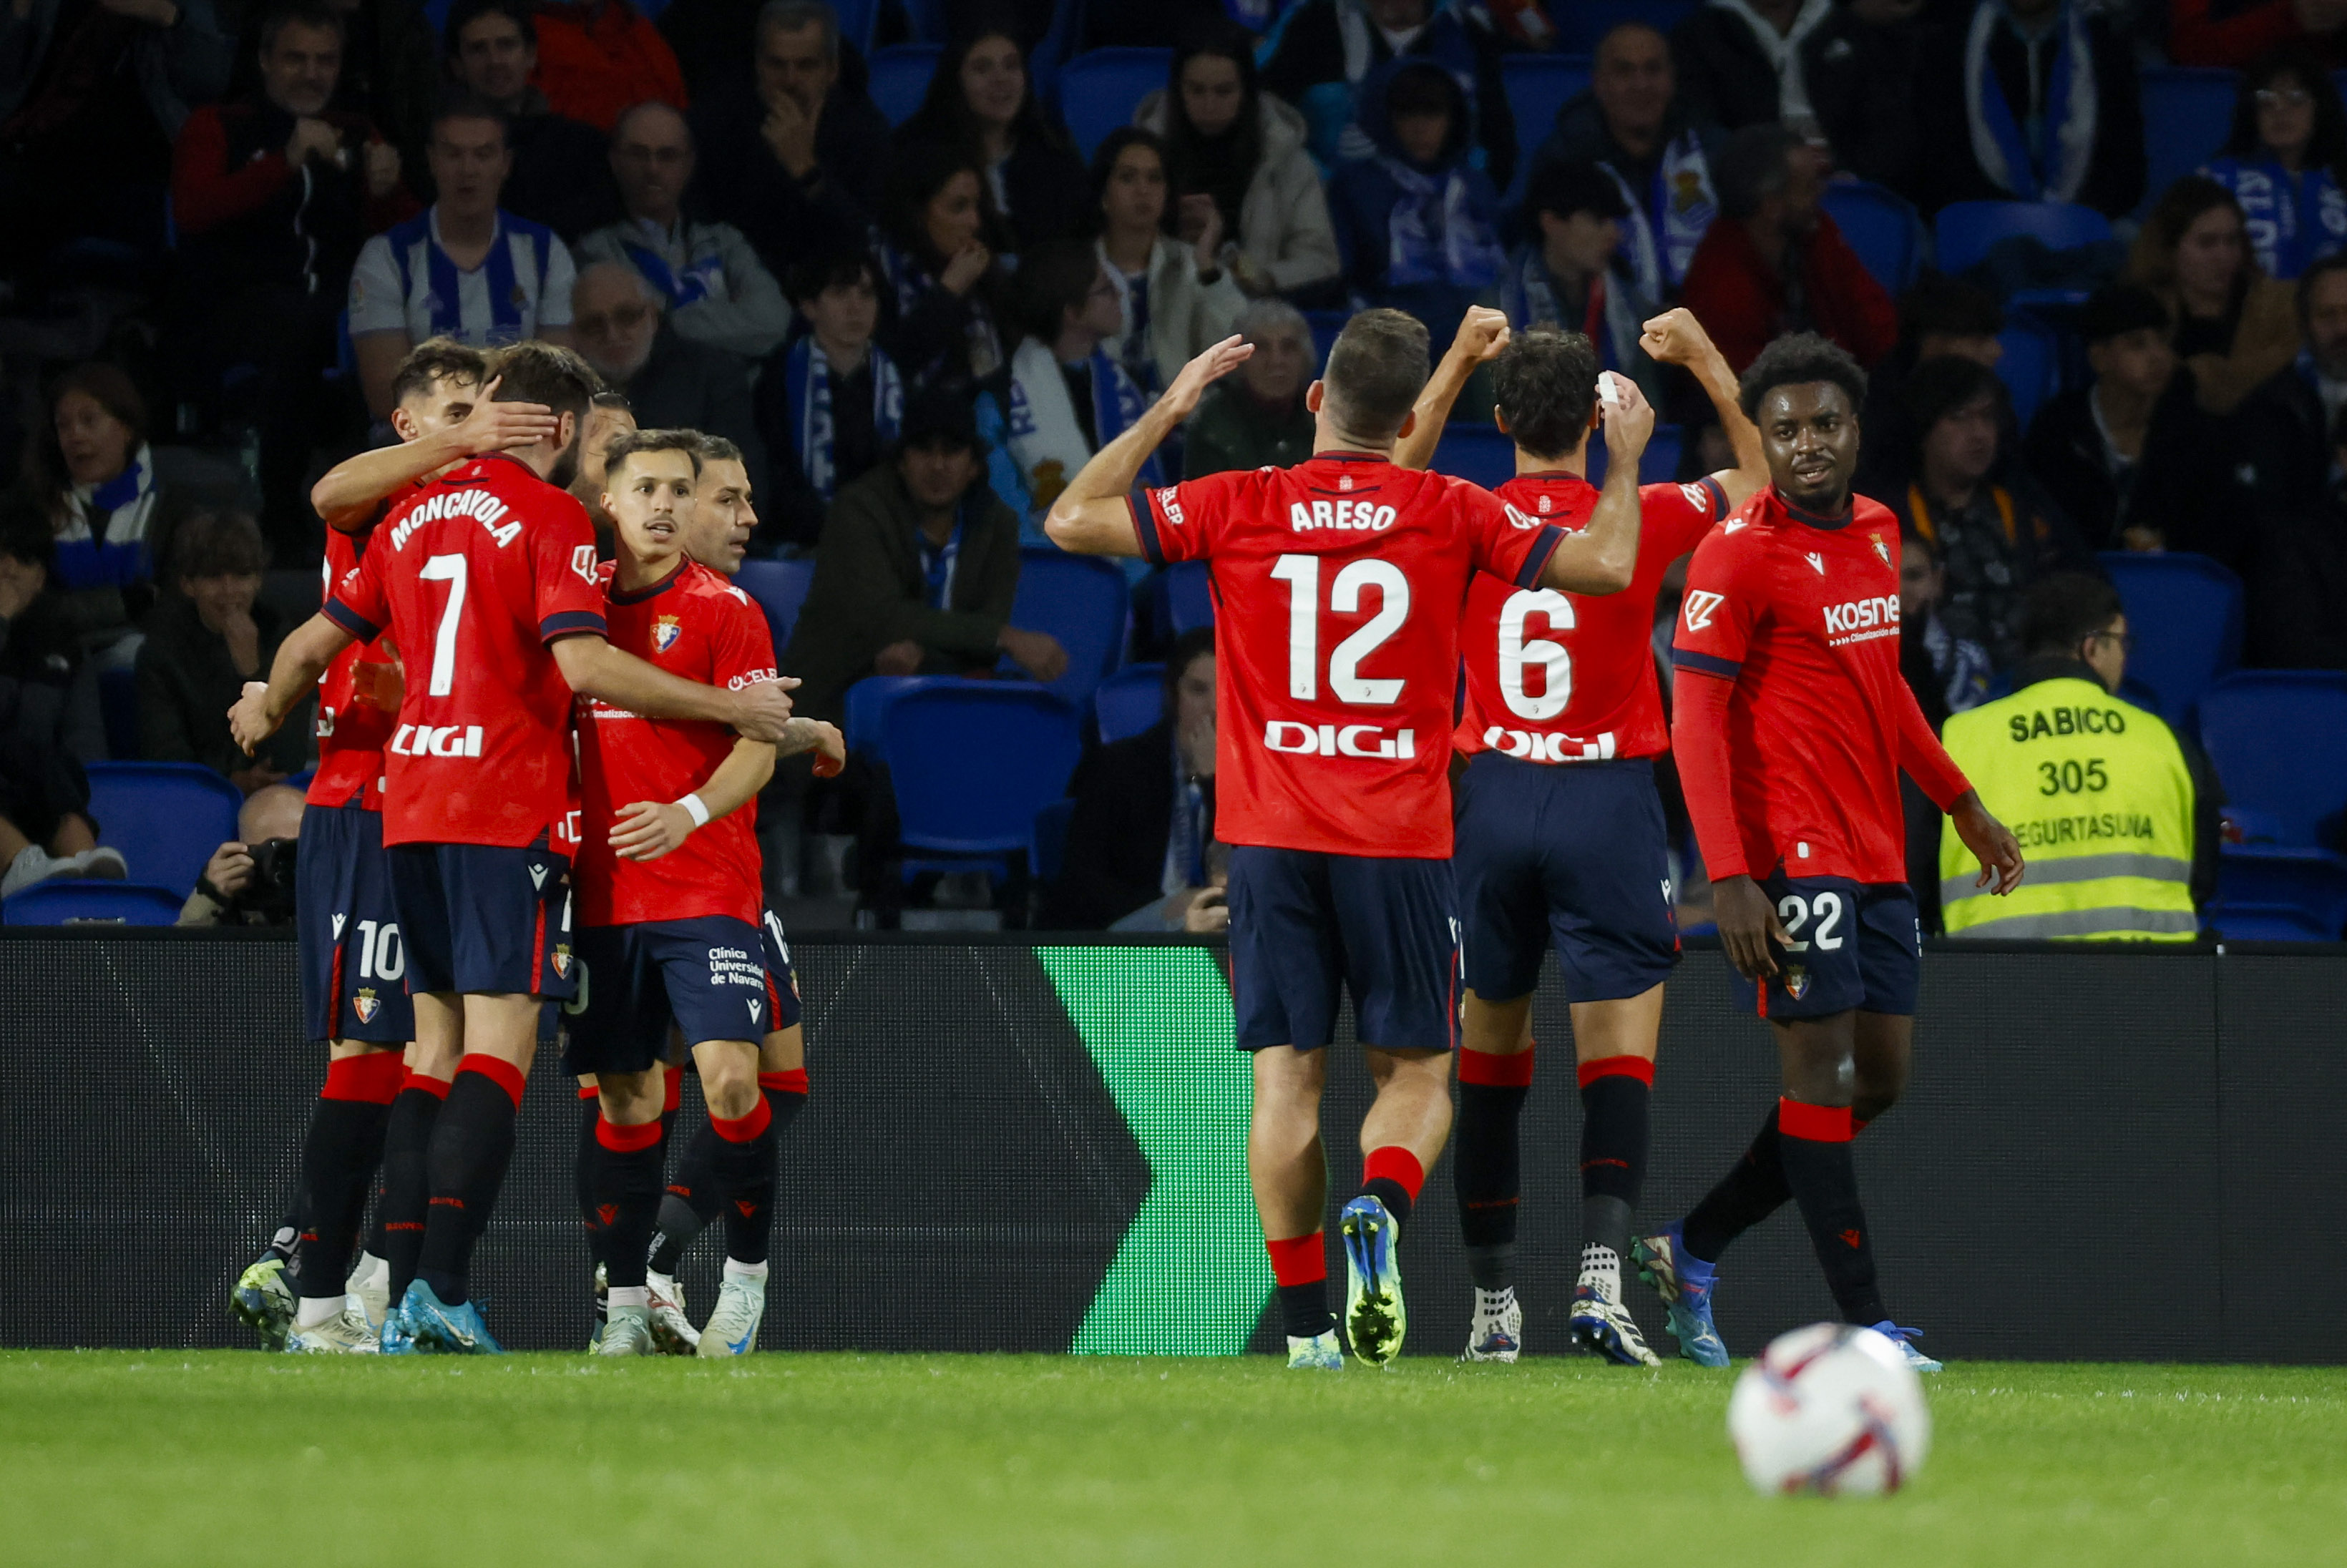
pixel 1801 613
pixel 1553 677
pixel 358 699
pixel 695 625
pixel 475 577
pixel 1338 586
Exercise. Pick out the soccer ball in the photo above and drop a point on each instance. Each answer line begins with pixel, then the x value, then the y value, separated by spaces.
pixel 1832 1410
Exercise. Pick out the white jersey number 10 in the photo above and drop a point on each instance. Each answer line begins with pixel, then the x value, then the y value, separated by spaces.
pixel 1346 682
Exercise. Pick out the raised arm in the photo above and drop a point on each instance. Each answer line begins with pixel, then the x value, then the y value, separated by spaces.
pixel 761 711
pixel 1676 338
pixel 1090 517
pixel 1603 558
pixel 1480 337
pixel 293 674
pixel 348 494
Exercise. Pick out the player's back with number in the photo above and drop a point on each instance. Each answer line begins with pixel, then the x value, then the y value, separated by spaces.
pixel 474 576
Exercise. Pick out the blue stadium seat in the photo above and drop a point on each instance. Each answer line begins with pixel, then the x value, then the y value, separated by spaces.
pixel 928 19
pixel 866 704
pixel 166 818
pixel 1049 850
pixel 1129 701
pixel 2030 367
pixel 2278 739
pixel 118 704
pixel 1189 595
pixel 2312 882
pixel 1082 600
pixel 1966 229
pixel 1658 464
pixel 858 19
pixel 1476 452
pixel 1579 24
pixel 1326 325
pixel 2186 112
pixel 1100 90
pixel 2184 612
pixel 68 899
pixel 1882 226
pixel 779 588
pixel 1537 85
pixel 900 78
pixel 2266 922
pixel 974 763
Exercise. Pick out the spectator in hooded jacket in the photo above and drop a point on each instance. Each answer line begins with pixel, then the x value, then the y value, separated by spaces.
pixel 1239 151
pixel 714 289
pixel 796 158
pixel 1815 66
pixel 1417 221
pixel 1325 51
pixel 982 103
pixel 92 96
pixel 1636 124
pixel 1177 299
pixel 1774 262
pixel 561 177
pixel 2282 161
pixel 2031 100
pixel 596 58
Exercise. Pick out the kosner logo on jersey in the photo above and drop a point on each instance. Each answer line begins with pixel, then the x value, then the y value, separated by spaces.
pixel 437 740
pixel 1858 620
pixel 1338 740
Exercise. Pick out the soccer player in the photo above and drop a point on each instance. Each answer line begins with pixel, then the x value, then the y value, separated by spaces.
pixel 1792 724
pixel 1560 833
pixel 487 578
pixel 352 963
pixel 1339 582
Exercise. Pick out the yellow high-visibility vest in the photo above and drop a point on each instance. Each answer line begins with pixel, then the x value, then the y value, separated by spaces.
pixel 2099 794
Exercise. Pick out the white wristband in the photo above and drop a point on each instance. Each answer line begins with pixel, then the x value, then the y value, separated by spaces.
pixel 699 813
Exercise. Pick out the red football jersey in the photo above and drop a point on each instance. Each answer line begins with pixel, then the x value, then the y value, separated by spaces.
pixel 358 698
pixel 1555 676
pixel 1339 586
pixel 696 625
pixel 1801 613
pixel 475 575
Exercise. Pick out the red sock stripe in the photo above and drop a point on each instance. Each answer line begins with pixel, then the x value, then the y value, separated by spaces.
pixel 436 1087
pixel 1298 1259
pixel 498 1070
pixel 372 1078
pixel 589 1092
pixel 1638 1067
pixel 1396 1163
pixel 793 1081
pixel 1818 1124
pixel 672 1089
pixel 1494 1070
pixel 622 1140
pixel 745 1129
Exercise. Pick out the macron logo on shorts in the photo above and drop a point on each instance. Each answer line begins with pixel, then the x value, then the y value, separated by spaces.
pixel 537 876
pixel 1701 606
pixel 757 1008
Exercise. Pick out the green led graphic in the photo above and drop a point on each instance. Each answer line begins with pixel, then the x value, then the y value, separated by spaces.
pixel 1190 1278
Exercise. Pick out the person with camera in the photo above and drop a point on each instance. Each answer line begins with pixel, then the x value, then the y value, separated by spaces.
pixel 249 881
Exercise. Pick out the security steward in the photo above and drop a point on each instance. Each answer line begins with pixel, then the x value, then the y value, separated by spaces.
pixel 2118 822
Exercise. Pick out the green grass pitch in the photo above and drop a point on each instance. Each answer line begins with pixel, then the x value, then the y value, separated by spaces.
pixel 192 1458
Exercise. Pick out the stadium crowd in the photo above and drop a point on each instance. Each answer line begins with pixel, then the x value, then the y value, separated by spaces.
pixel 917 322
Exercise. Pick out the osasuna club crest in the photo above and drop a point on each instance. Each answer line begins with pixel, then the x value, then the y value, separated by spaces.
pixel 665 632
pixel 1796 982
pixel 365 1005
pixel 1881 548
pixel 562 963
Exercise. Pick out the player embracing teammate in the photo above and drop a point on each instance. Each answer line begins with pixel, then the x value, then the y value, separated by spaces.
pixel 1339 585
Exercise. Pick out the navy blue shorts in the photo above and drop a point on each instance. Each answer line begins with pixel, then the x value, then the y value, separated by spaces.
pixel 1855 944
pixel 1573 854
pixel 485 918
pixel 353 964
pixel 778 965
pixel 1304 922
pixel 708 976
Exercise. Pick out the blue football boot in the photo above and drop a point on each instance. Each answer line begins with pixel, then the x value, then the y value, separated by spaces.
pixel 1905 1340
pixel 395 1338
pixel 436 1325
pixel 1375 1319
pixel 1685 1285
